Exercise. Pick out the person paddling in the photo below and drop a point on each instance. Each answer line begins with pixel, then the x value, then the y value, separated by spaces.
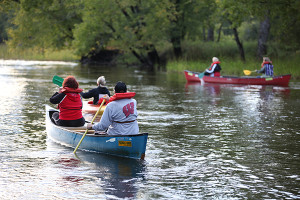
pixel 266 67
pixel 97 93
pixel 214 69
pixel 69 103
pixel 120 115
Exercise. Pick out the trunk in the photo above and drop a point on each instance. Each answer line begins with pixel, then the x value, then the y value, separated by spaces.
pixel 203 34
pixel 176 42
pixel 264 30
pixel 240 45
pixel 177 31
pixel 219 32
pixel 148 61
pixel 153 56
pixel 210 33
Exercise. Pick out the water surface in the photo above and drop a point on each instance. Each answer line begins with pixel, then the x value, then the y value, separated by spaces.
pixel 205 141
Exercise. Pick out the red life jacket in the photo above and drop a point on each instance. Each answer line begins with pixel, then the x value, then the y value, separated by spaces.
pixel 212 64
pixel 218 74
pixel 126 95
pixel 70 108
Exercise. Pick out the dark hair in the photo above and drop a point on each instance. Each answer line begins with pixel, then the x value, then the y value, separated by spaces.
pixel 70 82
pixel 120 87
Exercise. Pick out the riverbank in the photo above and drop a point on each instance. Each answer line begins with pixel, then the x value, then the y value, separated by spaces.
pixel 197 57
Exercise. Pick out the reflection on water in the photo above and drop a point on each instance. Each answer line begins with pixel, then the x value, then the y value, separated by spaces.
pixel 116 177
pixel 208 141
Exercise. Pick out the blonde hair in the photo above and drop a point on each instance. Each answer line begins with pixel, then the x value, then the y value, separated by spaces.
pixel 215 59
pixel 266 59
pixel 101 81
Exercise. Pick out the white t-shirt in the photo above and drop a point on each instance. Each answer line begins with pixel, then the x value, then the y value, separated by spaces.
pixel 120 117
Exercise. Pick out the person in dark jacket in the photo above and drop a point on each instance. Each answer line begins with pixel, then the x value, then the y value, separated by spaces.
pixel 214 69
pixel 97 93
pixel 69 103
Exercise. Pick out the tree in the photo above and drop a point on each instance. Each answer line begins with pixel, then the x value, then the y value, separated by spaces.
pixel 188 16
pixel 282 15
pixel 235 13
pixel 132 26
pixel 43 24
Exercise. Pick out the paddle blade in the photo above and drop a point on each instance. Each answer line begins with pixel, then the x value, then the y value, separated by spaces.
pixel 247 72
pixel 200 75
pixel 57 80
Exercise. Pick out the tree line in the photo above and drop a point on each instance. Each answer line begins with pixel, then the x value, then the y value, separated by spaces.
pixel 143 27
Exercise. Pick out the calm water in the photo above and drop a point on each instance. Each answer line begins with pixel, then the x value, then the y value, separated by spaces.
pixel 205 141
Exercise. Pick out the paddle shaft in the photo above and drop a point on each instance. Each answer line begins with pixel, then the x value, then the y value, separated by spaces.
pixel 91 122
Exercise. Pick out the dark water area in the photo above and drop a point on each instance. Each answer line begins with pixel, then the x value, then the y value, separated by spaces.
pixel 206 141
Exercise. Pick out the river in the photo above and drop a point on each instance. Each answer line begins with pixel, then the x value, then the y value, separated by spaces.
pixel 205 141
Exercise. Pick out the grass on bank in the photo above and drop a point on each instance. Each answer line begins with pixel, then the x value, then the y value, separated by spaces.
pixel 34 54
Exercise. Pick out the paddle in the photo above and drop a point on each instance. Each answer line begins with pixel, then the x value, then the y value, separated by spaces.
pixel 248 72
pixel 91 122
pixel 57 80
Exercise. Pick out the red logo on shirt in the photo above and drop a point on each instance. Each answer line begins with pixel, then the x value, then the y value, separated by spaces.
pixel 128 109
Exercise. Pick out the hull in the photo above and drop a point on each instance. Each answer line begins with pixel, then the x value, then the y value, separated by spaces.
pixel 276 80
pixel 130 146
pixel 91 108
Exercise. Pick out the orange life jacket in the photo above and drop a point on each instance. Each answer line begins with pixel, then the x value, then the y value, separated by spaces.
pixel 126 95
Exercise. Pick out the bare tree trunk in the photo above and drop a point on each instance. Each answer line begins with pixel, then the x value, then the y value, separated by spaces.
pixel 203 34
pixel 264 30
pixel 240 45
pixel 219 32
pixel 176 41
pixel 210 33
pixel 177 31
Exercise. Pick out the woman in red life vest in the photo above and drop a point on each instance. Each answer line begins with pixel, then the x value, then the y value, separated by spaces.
pixel 266 67
pixel 69 104
pixel 214 69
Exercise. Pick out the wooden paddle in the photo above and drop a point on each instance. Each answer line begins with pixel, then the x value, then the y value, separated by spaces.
pixel 91 122
pixel 57 80
pixel 248 72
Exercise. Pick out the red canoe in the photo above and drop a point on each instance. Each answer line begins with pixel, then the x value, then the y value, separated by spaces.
pixel 282 80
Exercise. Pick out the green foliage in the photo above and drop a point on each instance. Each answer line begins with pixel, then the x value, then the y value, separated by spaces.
pixel 144 27
pixel 44 24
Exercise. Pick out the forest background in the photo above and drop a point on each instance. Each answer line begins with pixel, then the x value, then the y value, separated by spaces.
pixel 170 35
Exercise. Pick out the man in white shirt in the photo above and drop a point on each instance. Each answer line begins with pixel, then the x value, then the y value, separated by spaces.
pixel 120 114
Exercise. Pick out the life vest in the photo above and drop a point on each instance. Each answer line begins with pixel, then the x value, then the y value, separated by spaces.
pixel 126 95
pixel 216 70
pixel 100 101
pixel 266 62
pixel 70 108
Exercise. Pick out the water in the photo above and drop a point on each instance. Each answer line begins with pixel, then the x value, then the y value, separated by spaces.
pixel 205 141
